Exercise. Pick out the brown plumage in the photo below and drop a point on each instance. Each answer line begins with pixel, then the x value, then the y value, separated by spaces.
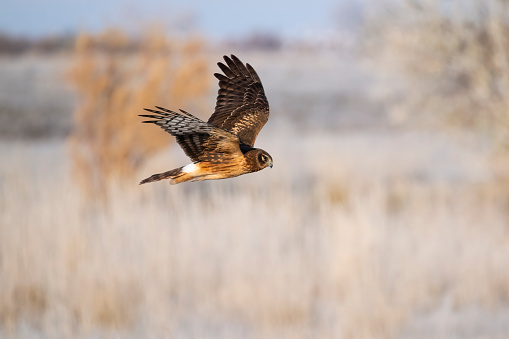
pixel 222 147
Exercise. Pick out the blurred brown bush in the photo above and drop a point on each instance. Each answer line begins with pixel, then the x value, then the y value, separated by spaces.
pixel 116 77
pixel 454 60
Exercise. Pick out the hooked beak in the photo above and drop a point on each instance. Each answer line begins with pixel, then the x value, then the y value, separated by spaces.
pixel 271 164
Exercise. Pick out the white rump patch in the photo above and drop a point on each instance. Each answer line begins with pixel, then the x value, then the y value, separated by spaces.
pixel 189 168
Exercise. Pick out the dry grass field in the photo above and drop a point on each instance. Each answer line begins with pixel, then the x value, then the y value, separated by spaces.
pixel 315 251
pixel 361 230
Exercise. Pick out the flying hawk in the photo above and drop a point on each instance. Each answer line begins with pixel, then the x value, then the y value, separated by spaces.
pixel 222 147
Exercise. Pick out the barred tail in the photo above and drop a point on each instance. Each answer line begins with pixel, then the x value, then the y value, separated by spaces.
pixel 166 175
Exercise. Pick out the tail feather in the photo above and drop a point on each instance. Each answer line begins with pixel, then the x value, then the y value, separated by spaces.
pixel 166 175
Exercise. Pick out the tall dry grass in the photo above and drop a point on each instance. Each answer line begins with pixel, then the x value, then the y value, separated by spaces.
pixel 453 58
pixel 116 77
pixel 386 261
pixel 346 237
pixel 305 250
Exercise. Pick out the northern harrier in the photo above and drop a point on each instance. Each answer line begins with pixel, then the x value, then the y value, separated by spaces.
pixel 222 147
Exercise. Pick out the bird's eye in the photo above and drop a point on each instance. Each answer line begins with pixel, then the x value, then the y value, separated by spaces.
pixel 264 158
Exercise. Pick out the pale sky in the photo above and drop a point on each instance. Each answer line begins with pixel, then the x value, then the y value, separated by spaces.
pixel 216 18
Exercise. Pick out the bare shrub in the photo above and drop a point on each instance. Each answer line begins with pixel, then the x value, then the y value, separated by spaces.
pixel 116 77
pixel 454 60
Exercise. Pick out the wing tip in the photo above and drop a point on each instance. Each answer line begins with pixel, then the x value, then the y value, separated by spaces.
pixel 164 109
pixel 150 116
pixel 235 67
pixel 160 113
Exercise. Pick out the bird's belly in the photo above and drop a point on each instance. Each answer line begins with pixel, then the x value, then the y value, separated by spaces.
pixel 218 171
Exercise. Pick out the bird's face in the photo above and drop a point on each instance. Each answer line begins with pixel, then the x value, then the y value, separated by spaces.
pixel 264 159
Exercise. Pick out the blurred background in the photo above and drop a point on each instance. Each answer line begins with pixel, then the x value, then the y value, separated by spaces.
pixel 385 215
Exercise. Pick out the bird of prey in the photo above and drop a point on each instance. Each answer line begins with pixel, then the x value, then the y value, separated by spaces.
pixel 222 147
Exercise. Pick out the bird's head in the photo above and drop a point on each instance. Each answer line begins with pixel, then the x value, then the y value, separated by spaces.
pixel 259 158
pixel 264 159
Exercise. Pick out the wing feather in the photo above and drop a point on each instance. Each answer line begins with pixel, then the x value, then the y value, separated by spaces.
pixel 200 140
pixel 241 107
pixel 226 70
pixel 253 73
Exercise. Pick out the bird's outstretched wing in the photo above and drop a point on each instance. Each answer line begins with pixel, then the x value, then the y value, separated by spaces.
pixel 200 140
pixel 241 107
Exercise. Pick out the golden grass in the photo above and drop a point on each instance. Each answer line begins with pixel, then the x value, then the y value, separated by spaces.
pixel 116 77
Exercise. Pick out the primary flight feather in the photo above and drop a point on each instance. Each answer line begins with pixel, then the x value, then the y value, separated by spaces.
pixel 222 147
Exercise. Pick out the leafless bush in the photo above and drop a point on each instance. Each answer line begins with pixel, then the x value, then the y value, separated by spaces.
pixel 454 60
pixel 117 78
